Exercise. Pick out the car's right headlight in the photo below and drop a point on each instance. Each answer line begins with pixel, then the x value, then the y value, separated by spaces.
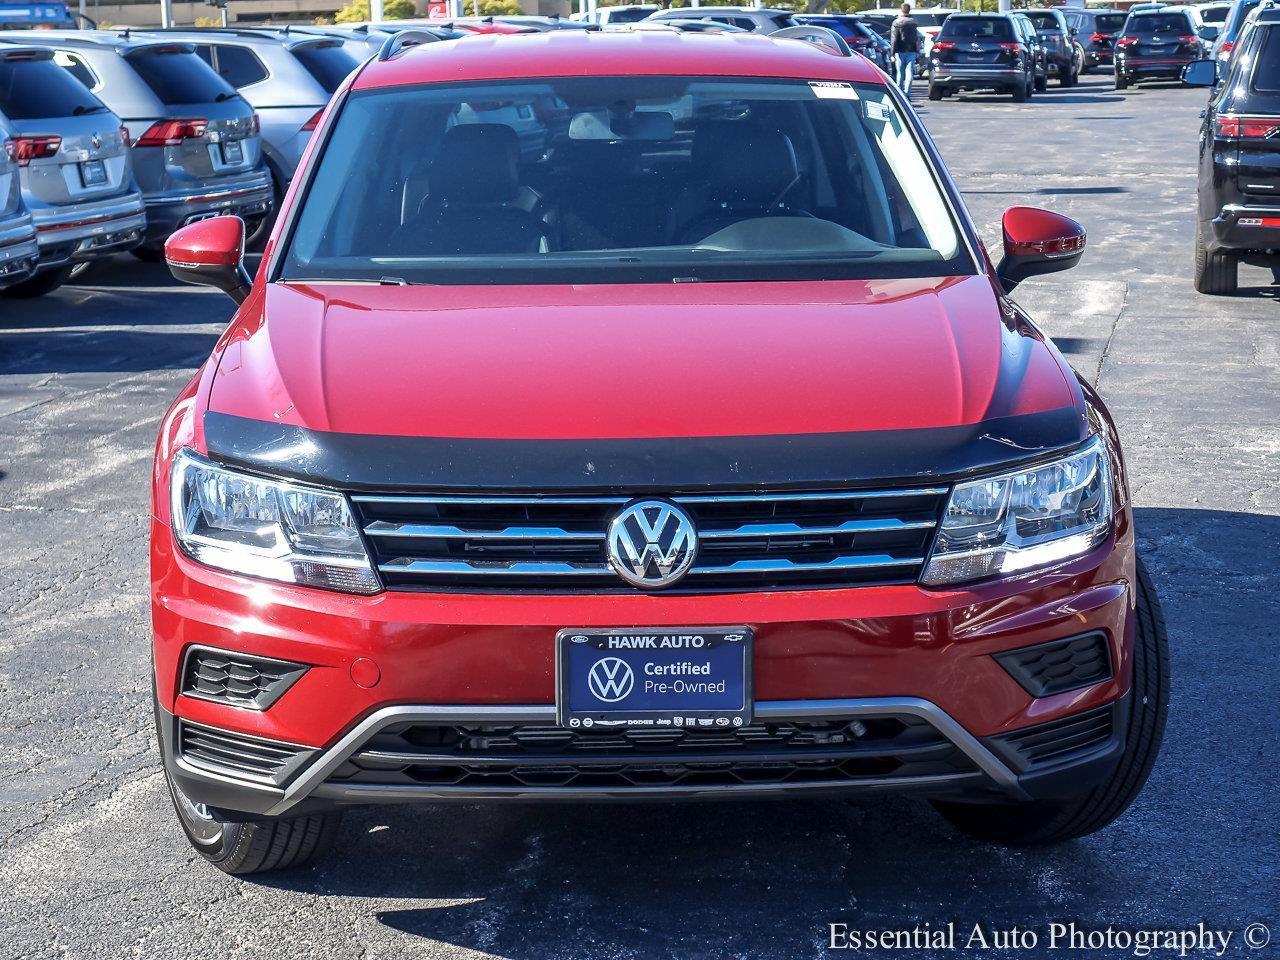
pixel 1020 521
pixel 267 528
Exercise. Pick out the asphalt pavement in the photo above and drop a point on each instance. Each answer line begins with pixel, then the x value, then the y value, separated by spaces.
pixel 93 865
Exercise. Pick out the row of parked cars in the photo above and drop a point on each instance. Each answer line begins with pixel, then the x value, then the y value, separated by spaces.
pixel 115 139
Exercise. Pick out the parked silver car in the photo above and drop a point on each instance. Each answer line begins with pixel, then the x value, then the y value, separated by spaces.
pixel 755 19
pixel 73 163
pixel 197 147
pixel 17 233
pixel 286 76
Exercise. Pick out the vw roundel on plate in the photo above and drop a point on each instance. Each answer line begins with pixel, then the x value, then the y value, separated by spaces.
pixel 695 677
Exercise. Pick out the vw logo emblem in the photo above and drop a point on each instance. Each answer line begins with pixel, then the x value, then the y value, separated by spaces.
pixel 96 141
pixel 652 543
pixel 610 679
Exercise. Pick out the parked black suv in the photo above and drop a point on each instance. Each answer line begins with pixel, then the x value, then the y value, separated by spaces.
pixel 1155 45
pixel 1065 57
pixel 1239 181
pixel 1095 31
pixel 985 51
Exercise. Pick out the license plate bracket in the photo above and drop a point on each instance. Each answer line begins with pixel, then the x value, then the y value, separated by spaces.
pixel 232 151
pixel 654 677
pixel 93 173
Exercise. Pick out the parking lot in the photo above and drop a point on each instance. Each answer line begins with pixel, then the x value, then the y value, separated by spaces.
pixel 94 864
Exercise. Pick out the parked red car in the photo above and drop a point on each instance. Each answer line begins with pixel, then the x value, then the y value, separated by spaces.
pixel 691 450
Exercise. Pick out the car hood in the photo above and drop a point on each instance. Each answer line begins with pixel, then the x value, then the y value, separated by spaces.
pixel 638 362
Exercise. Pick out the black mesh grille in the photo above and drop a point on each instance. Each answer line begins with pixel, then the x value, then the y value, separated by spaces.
pixel 237 679
pixel 1056 741
pixel 746 541
pixel 238 755
pixel 836 752
pixel 1061 665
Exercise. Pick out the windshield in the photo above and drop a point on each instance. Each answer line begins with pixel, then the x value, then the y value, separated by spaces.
pixel 930 19
pixel 1108 22
pixel 1043 20
pixel 977 28
pixel 178 77
pixel 1214 14
pixel 1158 23
pixel 327 61
pixel 623 179
pixel 36 89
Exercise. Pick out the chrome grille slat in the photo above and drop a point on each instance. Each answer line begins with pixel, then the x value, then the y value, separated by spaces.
pixel 747 540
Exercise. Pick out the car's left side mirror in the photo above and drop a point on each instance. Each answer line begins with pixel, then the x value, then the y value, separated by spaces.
pixel 211 253
pixel 1038 241
pixel 1200 73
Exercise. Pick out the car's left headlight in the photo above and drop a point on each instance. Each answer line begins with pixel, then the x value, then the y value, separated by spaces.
pixel 1019 521
pixel 267 528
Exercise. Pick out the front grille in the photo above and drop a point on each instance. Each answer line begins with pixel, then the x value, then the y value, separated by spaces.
pixel 1060 665
pixel 1057 741
pixel 237 679
pixel 239 755
pixel 782 752
pixel 746 541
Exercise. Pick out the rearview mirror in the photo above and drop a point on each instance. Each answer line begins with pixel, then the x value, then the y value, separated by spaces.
pixel 211 253
pixel 1038 241
pixel 1200 73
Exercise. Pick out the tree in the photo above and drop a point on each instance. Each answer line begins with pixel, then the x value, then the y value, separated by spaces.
pixel 497 8
pixel 357 11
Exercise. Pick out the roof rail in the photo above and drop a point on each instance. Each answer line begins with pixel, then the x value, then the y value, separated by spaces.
pixel 818 36
pixel 398 42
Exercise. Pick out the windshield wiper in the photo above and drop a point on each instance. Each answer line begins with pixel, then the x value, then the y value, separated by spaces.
pixel 224 97
pixel 82 109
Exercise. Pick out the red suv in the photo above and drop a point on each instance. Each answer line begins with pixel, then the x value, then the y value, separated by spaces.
pixel 639 416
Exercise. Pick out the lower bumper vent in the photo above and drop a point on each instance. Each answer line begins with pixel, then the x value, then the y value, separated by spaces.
pixel 237 679
pixel 533 758
pixel 238 755
pixel 1057 741
pixel 1060 665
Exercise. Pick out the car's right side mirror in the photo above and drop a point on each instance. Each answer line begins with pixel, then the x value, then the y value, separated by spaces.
pixel 211 253
pixel 1036 242
pixel 1200 73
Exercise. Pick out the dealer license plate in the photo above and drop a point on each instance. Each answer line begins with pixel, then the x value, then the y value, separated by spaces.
pixel 93 173
pixel 654 677
pixel 232 151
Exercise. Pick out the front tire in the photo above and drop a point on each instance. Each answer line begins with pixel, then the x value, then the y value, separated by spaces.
pixel 1020 94
pixel 1042 84
pixel 258 847
pixel 1042 822
pixel 1215 272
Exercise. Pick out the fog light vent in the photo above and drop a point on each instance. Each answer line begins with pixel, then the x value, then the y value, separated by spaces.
pixel 237 679
pixel 1060 665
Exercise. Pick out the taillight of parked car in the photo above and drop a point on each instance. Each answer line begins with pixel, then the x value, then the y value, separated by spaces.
pixel 26 149
pixel 1100 38
pixel 257 125
pixel 170 133
pixel 314 121
pixel 1124 43
pixel 1224 51
pixel 943 45
pixel 1234 127
pixel 124 136
pixel 1009 47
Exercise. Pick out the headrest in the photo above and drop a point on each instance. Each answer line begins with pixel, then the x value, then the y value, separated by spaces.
pixel 743 163
pixel 477 163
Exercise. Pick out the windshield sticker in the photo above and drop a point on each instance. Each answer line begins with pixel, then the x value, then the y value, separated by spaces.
pixel 876 111
pixel 833 90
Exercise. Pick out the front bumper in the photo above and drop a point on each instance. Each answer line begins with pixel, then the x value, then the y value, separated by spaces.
pixel 1153 69
pixel 1245 227
pixel 888 651
pixel 86 231
pixel 976 77
pixel 18 249
pixel 247 196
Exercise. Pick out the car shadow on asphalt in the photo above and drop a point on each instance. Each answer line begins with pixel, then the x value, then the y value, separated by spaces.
pixel 766 878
